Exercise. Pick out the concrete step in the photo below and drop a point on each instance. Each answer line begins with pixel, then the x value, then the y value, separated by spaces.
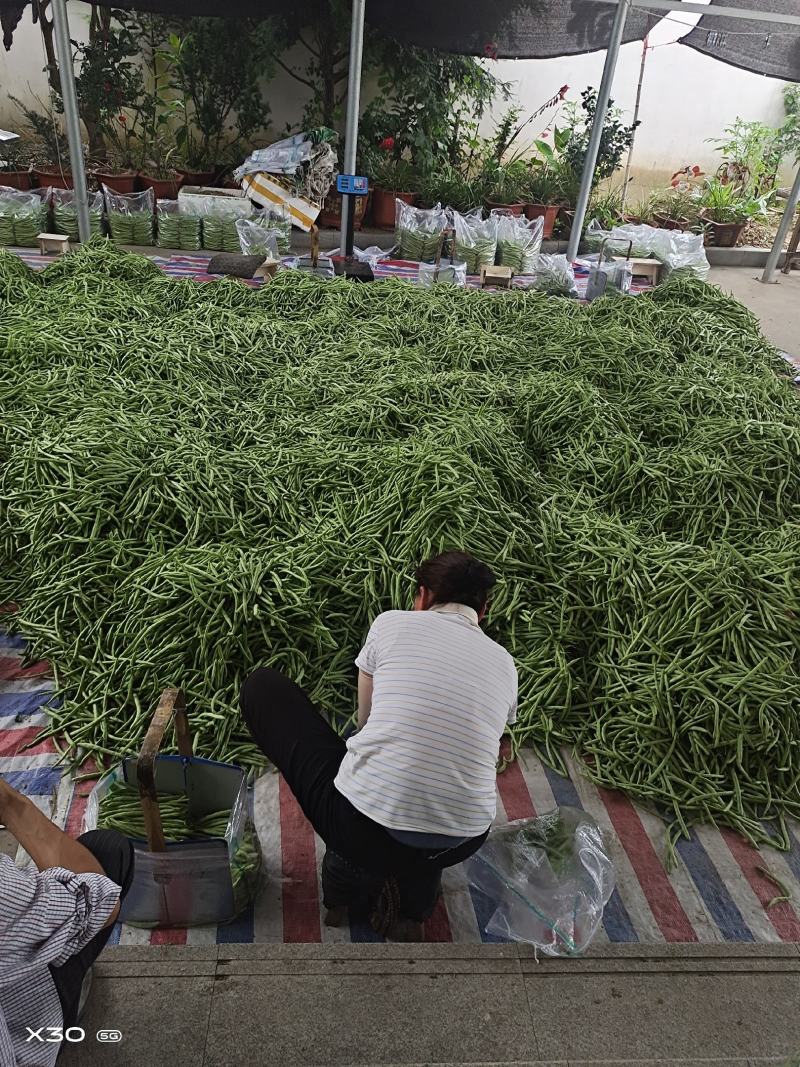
pixel 442 1004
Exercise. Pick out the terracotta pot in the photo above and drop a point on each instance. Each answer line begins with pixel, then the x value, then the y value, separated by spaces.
pixel 124 183
pixel 507 209
pixel 664 222
pixel 16 179
pixel 723 234
pixel 383 208
pixel 56 179
pixel 331 213
pixel 548 212
pixel 567 217
pixel 163 188
pixel 196 177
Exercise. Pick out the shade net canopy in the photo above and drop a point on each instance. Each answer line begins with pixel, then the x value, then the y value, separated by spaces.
pixel 505 29
pixel 770 48
pixel 496 28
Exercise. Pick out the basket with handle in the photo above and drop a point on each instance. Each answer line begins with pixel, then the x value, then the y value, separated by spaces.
pixel 185 882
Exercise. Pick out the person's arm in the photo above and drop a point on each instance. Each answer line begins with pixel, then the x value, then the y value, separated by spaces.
pixel 45 843
pixel 364 697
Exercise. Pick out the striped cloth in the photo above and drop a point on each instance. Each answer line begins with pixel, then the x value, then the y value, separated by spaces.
pixel 194 266
pixel 715 892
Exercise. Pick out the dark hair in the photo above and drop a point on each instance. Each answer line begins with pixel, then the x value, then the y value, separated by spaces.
pixel 456 578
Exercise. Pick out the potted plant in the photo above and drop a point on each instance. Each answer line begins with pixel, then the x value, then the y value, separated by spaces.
pixel 449 186
pixel 541 193
pixel 393 179
pixel 157 171
pixel 15 169
pixel 726 212
pixel 679 206
pixel 506 186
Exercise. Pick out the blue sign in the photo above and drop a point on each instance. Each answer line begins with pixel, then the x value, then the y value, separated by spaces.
pixel 352 184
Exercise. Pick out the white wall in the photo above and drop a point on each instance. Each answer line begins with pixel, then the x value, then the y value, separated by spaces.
pixel 686 97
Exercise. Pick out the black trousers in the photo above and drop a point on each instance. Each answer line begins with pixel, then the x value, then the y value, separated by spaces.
pixel 114 852
pixel 307 751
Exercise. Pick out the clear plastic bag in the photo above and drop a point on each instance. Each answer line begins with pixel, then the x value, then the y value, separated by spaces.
pixel 418 232
pixel 23 216
pixel 65 212
pixel 554 275
pixel 255 239
pixel 548 878
pixel 219 225
pixel 130 216
pixel 449 272
pixel 681 251
pixel 178 228
pixel 475 240
pixel 518 242
pixel 372 255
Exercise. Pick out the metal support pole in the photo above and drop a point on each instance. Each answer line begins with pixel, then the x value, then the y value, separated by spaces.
pixel 353 109
pixel 783 229
pixel 70 101
pixel 603 94
pixel 636 107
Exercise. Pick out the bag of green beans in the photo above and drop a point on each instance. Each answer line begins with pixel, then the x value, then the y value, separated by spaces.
pixel 518 242
pixel 65 212
pixel 220 216
pixel 178 228
pixel 419 232
pixel 23 216
pixel 256 239
pixel 475 240
pixel 130 217
pixel 547 879
pixel 278 219
pixel 211 867
pixel 554 275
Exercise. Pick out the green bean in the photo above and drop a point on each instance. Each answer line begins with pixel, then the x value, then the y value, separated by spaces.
pixel 196 480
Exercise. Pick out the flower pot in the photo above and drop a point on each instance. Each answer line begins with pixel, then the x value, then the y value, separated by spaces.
pixel 566 217
pixel 124 183
pixel 548 212
pixel 163 188
pixel 331 214
pixel 196 177
pixel 723 234
pixel 664 222
pixel 55 178
pixel 506 209
pixel 383 208
pixel 16 179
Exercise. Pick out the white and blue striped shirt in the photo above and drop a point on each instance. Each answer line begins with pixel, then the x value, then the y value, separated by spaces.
pixel 443 692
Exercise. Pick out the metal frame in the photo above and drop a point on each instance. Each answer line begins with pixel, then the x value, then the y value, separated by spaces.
pixel 353 107
pixel 73 119
pixel 783 229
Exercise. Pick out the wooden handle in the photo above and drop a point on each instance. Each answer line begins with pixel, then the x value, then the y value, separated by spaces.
pixel 314 246
pixel 172 703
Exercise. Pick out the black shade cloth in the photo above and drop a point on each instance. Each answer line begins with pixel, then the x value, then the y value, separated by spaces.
pixel 516 29
pixel 769 48
pixel 506 29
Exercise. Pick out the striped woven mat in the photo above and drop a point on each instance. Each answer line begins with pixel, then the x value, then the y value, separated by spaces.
pixel 194 266
pixel 715 891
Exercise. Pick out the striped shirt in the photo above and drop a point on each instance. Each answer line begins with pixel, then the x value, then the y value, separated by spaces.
pixel 44 919
pixel 443 691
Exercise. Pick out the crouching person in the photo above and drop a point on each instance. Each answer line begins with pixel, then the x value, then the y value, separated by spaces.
pixel 413 790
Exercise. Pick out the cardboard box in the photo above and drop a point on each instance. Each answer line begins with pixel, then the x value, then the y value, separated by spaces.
pixel 268 191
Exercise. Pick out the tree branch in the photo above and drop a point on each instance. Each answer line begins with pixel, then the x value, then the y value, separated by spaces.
pixel 294 74
pixel 307 46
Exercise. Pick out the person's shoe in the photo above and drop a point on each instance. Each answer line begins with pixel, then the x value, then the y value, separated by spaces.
pixel 337 916
pixel 85 990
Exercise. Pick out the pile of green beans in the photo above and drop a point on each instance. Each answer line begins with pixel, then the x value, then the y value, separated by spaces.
pixel 121 809
pixel 197 479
